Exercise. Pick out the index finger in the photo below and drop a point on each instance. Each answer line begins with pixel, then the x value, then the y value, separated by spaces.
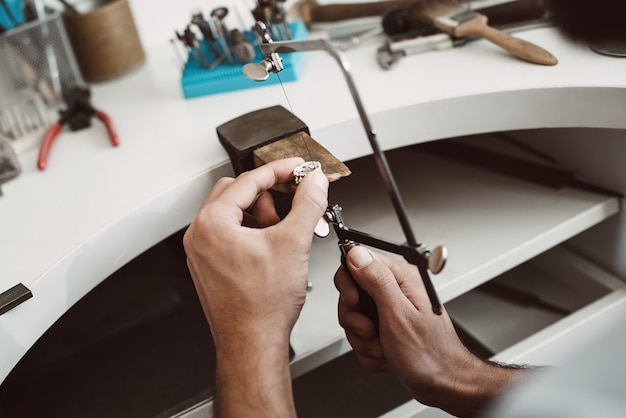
pixel 243 191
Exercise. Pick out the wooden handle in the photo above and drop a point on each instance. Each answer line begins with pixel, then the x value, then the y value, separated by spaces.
pixel 312 12
pixel 335 12
pixel 525 50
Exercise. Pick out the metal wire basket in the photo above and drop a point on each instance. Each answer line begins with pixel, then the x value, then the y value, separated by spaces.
pixel 39 57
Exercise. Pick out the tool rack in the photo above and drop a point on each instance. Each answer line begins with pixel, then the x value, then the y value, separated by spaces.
pixel 197 81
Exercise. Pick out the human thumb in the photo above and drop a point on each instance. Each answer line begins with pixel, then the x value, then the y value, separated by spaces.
pixel 373 275
pixel 309 202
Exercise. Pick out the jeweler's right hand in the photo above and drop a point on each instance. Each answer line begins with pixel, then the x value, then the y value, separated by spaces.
pixel 421 348
pixel 411 336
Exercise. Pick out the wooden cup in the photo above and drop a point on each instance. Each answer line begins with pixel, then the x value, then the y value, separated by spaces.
pixel 105 41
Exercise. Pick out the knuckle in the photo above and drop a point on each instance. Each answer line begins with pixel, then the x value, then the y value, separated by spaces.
pixel 379 276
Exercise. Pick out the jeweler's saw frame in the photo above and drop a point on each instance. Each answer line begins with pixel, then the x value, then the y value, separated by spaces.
pixel 414 252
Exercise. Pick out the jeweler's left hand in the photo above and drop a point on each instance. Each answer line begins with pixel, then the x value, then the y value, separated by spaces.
pixel 250 268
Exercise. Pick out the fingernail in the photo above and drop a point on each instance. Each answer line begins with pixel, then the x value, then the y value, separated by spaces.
pixel 360 257
pixel 319 179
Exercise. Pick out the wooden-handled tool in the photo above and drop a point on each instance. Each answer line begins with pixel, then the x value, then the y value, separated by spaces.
pixel 455 18
pixel 472 24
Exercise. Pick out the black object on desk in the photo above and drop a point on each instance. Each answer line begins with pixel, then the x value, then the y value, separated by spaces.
pixel 242 135
pixel 13 297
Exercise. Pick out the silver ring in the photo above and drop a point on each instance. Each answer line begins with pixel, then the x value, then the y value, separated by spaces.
pixel 303 169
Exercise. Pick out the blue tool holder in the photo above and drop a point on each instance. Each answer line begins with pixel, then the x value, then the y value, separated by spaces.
pixel 15 16
pixel 197 81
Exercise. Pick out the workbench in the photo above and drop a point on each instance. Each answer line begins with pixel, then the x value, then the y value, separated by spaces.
pixel 95 208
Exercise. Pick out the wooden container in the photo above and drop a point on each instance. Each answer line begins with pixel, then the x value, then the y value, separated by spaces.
pixel 105 41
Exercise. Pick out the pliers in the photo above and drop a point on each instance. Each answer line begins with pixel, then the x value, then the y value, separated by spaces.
pixel 424 259
pixel 78 116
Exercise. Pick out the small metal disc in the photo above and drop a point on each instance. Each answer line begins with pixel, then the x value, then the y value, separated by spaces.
pixel 322 229
pixel 256 72
pixel 437 259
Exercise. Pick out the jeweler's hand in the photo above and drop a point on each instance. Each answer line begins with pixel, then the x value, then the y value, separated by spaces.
pixel 250 272
pixel 249 269
pixel 421 349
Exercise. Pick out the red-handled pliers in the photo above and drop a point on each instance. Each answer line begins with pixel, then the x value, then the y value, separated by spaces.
pixel 78 116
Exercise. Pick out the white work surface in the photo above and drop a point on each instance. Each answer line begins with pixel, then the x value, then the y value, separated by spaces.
pixel 96 207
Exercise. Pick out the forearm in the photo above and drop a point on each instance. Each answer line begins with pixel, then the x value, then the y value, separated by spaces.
pixel 476 387
pixel 253 379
